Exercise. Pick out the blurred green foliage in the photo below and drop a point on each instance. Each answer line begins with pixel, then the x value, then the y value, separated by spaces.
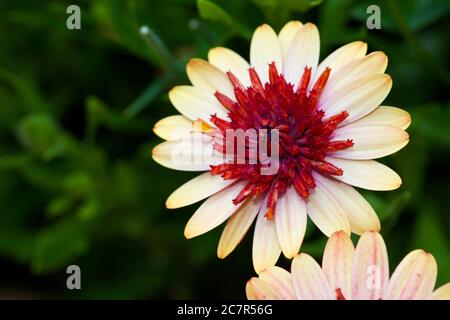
pixel 77 185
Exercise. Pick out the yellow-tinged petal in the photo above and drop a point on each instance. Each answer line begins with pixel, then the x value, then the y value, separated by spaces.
pixel 196 104
pixel 386 116
pixel 186 154
pixel 205 76
pixel 173 127
pixel 366 174
pixel 303 52
pixel 213 211
pixel 309 281
pixel 265 49
pixel 359 212
pixel 290 222
pixel 358 97
pixel 197 189
pixel 286 36
pixel 325 211
pixel 374 63
pixel 341 57
pixel 414 278
pixel 370 271
pixel 257 289
pixel 237 226
pixel 266 249
pixel 441 293
pixel 281 282
pixel 369 141
pixel 228 60
pixel 337 263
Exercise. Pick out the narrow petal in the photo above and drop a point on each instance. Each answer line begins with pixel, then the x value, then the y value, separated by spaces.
pixel 341 57
pixel 281 282
pixel 290 222
pixel 257 289
pixel 366 174
pixel 228 60
pixel 213 211
pixel 266 249
pixel 265 49
pixel 358 98
pixel 414 278
pixel 186 154
pixel 441 293
pixel 374 63
pixel 237 226
pixel 326 212
pixel 359 212
pixel 386 116
pixel 337 263
pixel 309 281
pixel 173 127
pixel 205 76
pixel 370 272
pixel 286 36
pixel 370 142
pixel 303 52
pixel 195 104
pixel 196 189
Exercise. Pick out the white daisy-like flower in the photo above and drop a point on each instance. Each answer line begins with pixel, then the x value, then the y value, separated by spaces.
pixel 329 125
pixel 349 274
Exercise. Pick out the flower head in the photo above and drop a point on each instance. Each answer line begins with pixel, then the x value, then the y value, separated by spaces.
pixel 286 138
pixel 349 274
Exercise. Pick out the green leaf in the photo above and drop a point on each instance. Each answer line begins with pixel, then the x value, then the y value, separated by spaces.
pixel 429 234
pixel 210 11
pixel 432 122
pixel 57 246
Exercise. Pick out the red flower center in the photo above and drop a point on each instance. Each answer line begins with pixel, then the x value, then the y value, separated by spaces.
pixel 305 137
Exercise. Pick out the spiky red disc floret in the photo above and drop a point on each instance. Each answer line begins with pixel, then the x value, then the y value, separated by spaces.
pixel 305 137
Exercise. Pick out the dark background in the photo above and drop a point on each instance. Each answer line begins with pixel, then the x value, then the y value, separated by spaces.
pixel 78 186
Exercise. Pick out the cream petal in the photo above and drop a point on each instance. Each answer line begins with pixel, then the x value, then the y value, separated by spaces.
pixel 257 289
pixel 441 293
pixel 359 212
pixel 325 211
pixel 173 127
pixel 414 278
pixel 197 189
pixel 286 36
pixel 266 249
pixel 370 142
pixel 265 49
pixel 374 63
pixel 358 98
pixel 341 57
pixel 213 211
pixel 337 263
pixel 228 60
pixel 366 174
pixel 370 271
pixel 281 282
pixel 237 226
pixel 195 104
pixel 309 281
pixel 290 222
pixel 191 154
pixel 303 52
pixel 386 116
pixel 208 78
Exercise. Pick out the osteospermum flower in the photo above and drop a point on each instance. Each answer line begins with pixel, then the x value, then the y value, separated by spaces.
pixel 349 274
pixel 328 124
